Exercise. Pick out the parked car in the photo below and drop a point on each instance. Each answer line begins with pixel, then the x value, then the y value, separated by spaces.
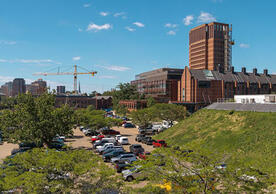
pixel 159 143
pixel 111 148
pixel 149 141
pixel 132 173
pixel 146 139
pixel 107 157
pixel 123 141
pixel 144 155
pixel 115 148
pixel 95 138
pixel 117 137
pixel 139 137
pixel 129 125
pixel 110 132
pixel 102 147
pixel 56 144
pixel 136 149
pixel 122 165
pixel 124 157
pixel 100 143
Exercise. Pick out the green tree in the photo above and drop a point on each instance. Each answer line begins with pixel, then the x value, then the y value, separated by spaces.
pixel 36 120
pixel 142 117
pixel 150 101
pixel 200 171
pixel 121 110
pixel 48 171
pixel 125 91
pixel 169 112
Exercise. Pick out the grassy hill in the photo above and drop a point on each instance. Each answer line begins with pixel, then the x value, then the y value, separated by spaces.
pixel 248 137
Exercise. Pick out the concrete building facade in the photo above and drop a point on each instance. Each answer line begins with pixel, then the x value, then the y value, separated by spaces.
pixel 160 84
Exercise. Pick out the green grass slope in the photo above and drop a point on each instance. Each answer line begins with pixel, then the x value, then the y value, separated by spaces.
pixel 247 137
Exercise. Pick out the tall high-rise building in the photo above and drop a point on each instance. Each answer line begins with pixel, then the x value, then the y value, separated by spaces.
pixel 60 89
pixel 18 86
pixel 7 89
pixel 210 47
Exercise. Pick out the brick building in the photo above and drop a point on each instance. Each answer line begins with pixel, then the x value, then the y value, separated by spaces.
pixel 134 104
pixel 6 89
pixel 200 87
pixel 160 84
pixel 210 47
pixel 78 101
pixel 37 88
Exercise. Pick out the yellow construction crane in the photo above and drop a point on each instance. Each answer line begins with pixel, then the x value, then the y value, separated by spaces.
pixel 75 74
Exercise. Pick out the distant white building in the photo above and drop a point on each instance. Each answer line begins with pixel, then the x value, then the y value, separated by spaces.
pixel 256 99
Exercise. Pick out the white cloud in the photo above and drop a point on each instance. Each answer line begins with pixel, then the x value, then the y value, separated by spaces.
pixel 95 27
pixel 86 5
pixel 243 45
pixel 120 14
pixel 169 25
pixel 104 13
pixel 130 29
pixel 205 17
pixel 107 77
pixel 114 68
pixel 139 24
pixel 171 32
pixel 77 58
pixel 4 79
pixel 188 20
pixel 6 42
pixel 39 62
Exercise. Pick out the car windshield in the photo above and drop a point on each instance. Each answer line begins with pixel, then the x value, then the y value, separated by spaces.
pixel 162 142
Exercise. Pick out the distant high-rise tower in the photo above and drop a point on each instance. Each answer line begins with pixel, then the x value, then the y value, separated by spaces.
pixel 210 47
pixel 79 88
pixel 18 86
pixel 60 89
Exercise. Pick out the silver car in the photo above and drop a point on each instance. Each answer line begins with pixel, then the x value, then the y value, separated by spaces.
pixel 132 173
pixel 124 157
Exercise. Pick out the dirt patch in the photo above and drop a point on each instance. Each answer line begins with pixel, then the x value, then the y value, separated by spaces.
pixel 5 150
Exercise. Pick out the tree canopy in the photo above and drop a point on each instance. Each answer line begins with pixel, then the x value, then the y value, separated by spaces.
pixel 159 112
pixel 36 120
pixel 49 171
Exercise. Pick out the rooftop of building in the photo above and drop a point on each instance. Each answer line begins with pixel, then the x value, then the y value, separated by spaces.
pixel 160 71
pixel 232 76
pixel 208 24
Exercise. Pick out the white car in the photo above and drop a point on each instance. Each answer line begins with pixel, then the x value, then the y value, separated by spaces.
pixel 123 141
pixel 117 137
pixel 101 148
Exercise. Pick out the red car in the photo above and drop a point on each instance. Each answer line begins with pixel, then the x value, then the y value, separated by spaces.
pixel 99 137
pixel 144 155
pixel 159 143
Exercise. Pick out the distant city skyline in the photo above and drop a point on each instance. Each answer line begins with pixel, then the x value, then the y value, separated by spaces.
pixel 123 38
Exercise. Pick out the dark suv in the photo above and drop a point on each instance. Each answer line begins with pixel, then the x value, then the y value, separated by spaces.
pixel 136 149
pixel 139 137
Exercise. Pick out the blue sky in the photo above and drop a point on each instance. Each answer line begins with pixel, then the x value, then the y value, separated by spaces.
pixel 121 38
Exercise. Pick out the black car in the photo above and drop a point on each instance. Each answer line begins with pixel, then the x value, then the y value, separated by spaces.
pixel 115 153
pixel 122 165
pixel 129 125
pixel 136 149
pixel 139 137
pixel 145 139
